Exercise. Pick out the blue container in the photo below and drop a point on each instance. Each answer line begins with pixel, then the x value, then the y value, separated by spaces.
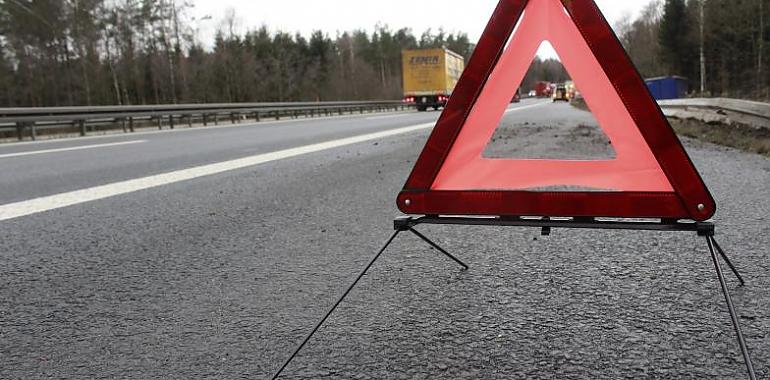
pixel 667 87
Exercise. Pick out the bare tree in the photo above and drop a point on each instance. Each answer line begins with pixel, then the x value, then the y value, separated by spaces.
pixel 702 43
pixel 761 50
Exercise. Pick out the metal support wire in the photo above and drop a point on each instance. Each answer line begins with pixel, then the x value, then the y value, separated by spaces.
pixel 727 260
pixel 407 223
pixel 434 245
pixel 334 307
pixel 731 309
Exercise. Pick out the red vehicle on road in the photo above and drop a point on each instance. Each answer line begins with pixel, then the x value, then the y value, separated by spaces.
pixel 543 89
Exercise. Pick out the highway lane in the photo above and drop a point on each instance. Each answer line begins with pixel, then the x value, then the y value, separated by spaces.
pixel 37 175
pixel 220 276
pixel 87 164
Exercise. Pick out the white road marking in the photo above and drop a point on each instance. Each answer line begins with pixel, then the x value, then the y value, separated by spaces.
pixel 52 202
pixel 388 116
pixel 525 107
pixel 82 147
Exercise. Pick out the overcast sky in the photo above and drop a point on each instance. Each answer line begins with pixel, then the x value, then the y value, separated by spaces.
pixel 332 16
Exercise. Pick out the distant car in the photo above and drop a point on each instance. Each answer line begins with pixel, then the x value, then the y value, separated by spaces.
pixel 516 96
pixel 532 94
pixel 561 94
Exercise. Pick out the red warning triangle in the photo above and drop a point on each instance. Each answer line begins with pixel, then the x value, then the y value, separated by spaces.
pixel 650 177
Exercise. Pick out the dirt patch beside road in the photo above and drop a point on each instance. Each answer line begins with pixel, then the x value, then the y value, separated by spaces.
pixel 740 136
pixel 735 135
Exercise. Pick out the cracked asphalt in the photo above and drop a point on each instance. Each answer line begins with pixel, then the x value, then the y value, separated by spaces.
pixel 221 276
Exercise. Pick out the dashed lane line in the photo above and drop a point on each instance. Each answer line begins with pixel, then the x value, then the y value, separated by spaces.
pixel 69 149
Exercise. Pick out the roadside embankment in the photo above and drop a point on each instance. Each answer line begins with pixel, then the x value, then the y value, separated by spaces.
pixel 735 123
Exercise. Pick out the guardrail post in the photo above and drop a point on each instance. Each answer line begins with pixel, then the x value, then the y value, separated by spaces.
pixel 20 131
pixel 123 117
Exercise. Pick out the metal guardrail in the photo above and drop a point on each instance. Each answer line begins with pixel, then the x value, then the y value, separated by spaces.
pixel 29 121
pixel 744 107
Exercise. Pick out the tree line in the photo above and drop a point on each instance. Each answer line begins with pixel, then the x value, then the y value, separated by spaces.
pixel 100 52
pixel 725 40
pixel 95 52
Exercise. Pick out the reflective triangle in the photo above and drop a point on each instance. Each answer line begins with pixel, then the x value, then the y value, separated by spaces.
pixel 651 176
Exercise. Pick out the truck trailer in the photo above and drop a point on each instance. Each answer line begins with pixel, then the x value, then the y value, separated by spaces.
pixel 430 76
pixel 663 88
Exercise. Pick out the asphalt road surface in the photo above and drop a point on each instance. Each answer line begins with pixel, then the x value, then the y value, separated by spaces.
pixel 209 253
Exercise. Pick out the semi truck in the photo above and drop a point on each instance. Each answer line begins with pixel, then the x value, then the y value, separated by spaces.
pixel 430 76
